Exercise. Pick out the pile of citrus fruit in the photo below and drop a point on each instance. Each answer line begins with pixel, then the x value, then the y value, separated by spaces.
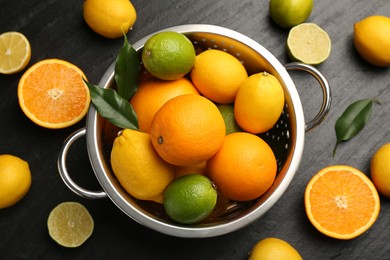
pixel 199 117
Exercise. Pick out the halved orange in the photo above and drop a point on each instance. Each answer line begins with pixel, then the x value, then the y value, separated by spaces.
pixel 341 202
pixel 52 93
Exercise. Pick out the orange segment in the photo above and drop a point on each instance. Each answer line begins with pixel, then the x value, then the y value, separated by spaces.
pixel 341 202
pixel 52 93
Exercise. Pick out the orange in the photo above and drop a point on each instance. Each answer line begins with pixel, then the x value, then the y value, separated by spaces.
pixel 341 202
pixel 218 75
pixel 244 168
pixel 53 95
pixel 372 39
pixel 187 130
pixel 152 93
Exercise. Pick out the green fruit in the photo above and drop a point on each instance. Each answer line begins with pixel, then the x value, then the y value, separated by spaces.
pixel 168 55
pixel 190 198
pixel 288 13
pixel 227 112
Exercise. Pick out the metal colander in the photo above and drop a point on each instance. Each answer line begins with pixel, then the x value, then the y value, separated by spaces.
pixel 286 139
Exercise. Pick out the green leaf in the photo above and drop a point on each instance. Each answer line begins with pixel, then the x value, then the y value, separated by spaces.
pixel 113 107
pixel 352 120
pixel 127 68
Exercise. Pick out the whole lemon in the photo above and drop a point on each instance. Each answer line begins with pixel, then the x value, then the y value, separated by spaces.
pixel 259 103
pixel 137 166
pixel 15 180
pixel 274 248
pixel 288 13
pixel 110 19
pixel 218 75
pixel 372 39
pixel 380 170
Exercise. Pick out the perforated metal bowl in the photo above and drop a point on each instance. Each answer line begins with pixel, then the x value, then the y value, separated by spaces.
pixel 286 139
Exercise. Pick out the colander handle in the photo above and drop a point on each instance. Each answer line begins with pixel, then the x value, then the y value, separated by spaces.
pixel 61 164
pixel 326 92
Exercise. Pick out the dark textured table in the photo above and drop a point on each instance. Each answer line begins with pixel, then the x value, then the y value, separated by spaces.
pixel 56 29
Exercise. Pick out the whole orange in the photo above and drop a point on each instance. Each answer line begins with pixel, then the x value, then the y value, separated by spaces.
pixel 218 75
pixel 244 168
pixel 187 130
pixel 152 93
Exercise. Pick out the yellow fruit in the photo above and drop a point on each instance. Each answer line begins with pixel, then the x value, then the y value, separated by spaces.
pixel 111 18
pixel 380 170
pixel 15 52
pixel 259 103
pixel 139 169
pixel 70 224
pixel 308 43
pixel 274 249
pixel 218 75
pixel 372 39
pixel 15 180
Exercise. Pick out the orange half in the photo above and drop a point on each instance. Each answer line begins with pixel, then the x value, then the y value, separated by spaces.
pixel 341 202
pixel 52 94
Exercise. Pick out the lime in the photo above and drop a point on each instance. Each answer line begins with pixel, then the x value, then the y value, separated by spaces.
pixel 288 13
pixel 227 112
pixel 168 55
pixel 15 180
pixel 70 224
pixel 274 248
pixel 308 43
pixel 190 198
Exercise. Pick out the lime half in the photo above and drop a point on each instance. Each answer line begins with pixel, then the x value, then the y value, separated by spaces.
pixel 70 224
pixel 308 43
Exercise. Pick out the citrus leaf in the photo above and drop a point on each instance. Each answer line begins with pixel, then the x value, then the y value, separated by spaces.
pixel 110 105
pixel 352 120
pixel 127 68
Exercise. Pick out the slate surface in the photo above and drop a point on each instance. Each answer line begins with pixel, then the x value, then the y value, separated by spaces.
pixel 56 30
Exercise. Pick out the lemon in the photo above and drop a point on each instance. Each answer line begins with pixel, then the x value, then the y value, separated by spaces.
pixel 227 112
pixel 259 103
pixel 218 75
pixel 15 52
pixel 137 166
pixel 372 39
pixel 288 13
pixel 70 224
pixel 190 198
pixel 168 55
pixel 15 180
pixel 274 249
pixel 110 19
pixel 308 43
pixel 380 170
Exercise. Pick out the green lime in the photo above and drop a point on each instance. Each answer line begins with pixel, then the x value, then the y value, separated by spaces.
pixel 288 13
pixel 168 55
pixel 70 224
pixel 308 43
pixel 190 198
pixel 227 112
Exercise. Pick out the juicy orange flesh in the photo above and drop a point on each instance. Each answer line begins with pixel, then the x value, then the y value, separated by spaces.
pixel 341 202
pixel 57 91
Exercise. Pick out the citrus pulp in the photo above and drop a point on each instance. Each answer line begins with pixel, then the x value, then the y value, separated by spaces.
pixel 15 52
